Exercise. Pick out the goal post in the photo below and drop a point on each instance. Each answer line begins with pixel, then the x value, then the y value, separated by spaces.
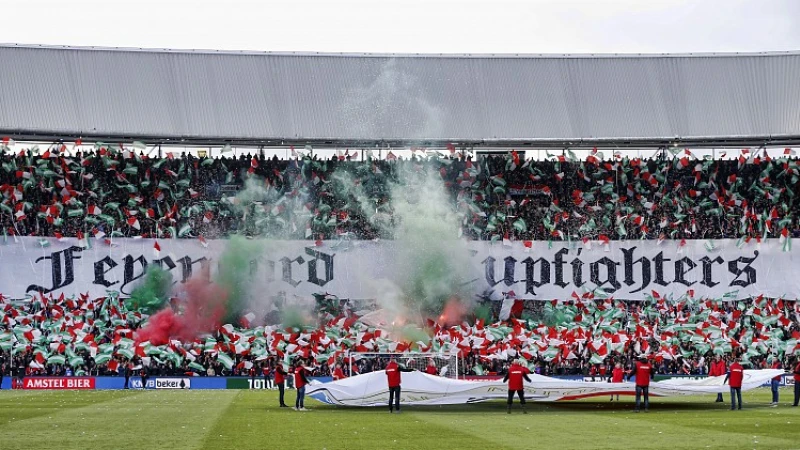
pixel 448 366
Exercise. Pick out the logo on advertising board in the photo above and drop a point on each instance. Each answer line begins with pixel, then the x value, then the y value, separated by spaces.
pixel 136 383
pixel 58 383
pixel 246 383
pixel 172 383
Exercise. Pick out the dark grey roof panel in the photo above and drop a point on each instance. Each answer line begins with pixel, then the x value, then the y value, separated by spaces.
pixel 219 95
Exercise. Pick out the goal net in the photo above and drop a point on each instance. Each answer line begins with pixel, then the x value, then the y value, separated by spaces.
pixel 449 366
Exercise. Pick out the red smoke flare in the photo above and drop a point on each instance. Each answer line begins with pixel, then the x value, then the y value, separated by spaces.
pixel 204 308
pixel 453 312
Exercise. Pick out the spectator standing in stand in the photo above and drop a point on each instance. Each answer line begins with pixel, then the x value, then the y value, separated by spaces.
pixel 431 368
pixel 338 374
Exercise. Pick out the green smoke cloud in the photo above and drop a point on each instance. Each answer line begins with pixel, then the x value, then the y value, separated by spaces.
pixel 432 261
pixel 153 292
pixel 236 274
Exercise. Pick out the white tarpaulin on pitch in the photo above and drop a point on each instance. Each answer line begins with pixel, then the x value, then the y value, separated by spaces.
pixel 418 388
pixel 629 270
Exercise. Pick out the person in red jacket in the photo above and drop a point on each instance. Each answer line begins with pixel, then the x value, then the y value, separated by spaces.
pixel 300 382
pixel 643 372
pixel 796 374
pixel 393 371
pixel 516 373
pixel 775 384
pixel 617 376
pixel 338 374
pixel 734 379
pixel 718 369
pixel 431 368
pixel 280 380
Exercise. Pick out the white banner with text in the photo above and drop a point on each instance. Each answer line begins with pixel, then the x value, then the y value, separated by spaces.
pixel 632 270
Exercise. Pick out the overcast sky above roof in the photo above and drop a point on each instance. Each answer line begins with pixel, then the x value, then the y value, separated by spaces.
pixel 410 26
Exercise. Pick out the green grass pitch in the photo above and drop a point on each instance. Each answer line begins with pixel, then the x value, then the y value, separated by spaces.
pixel 229 419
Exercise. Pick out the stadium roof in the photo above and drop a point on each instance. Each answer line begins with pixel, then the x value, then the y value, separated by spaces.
pixel 207 97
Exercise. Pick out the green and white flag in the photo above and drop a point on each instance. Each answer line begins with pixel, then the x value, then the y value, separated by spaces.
pixel 197 367
pixel 75 361
pixel 551 353
pixel 596 359
pixel 225 360
pixel 56 359
pixel 102 358
pixel 126 353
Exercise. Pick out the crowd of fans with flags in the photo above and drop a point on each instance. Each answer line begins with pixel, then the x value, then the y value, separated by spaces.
pixel 116 190
pixel 85 336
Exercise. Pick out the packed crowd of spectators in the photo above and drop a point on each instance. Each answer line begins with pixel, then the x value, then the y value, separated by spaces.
pixel 99 337
pixel 114 190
